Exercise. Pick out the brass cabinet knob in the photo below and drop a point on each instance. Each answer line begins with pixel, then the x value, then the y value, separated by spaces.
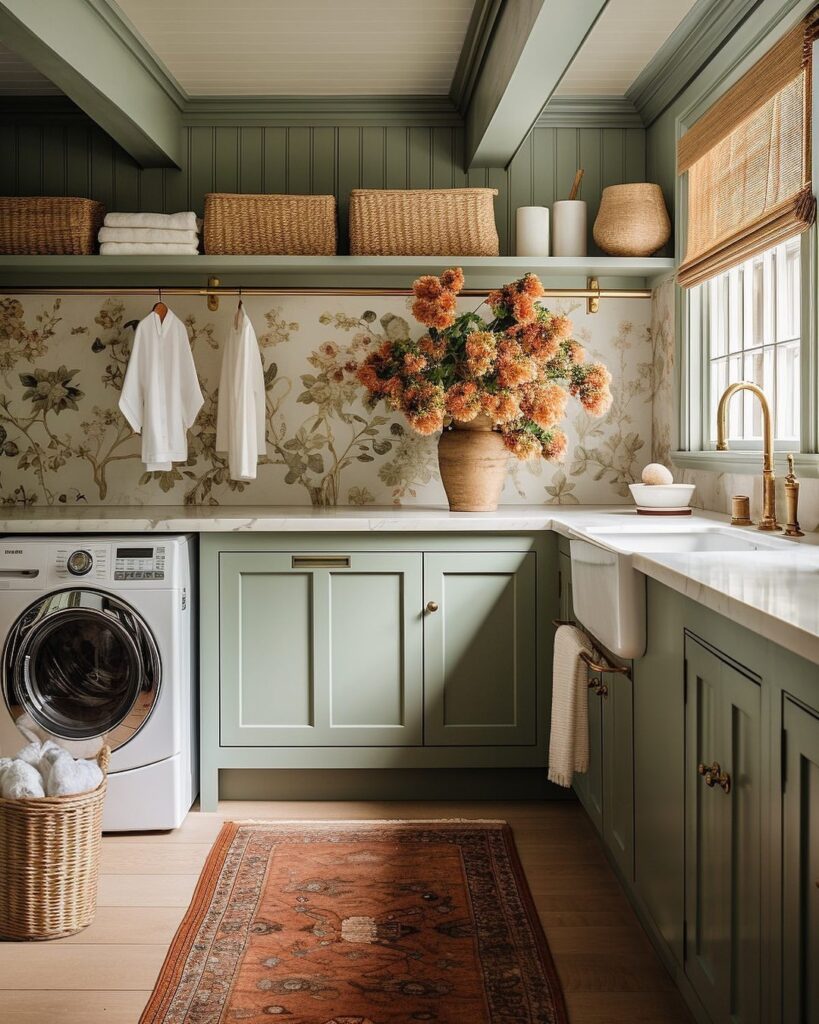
pixel 432 606
pixel 715 776
pixel 598 686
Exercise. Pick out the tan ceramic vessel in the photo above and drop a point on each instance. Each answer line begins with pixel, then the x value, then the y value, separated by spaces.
pixel 473 461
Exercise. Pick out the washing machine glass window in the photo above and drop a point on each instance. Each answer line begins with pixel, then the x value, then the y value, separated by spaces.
pixel 82 664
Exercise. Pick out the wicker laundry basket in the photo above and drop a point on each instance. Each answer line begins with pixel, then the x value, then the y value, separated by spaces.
pixel 423 222
pixel 269 225
pixel 49 862
pixel 49 226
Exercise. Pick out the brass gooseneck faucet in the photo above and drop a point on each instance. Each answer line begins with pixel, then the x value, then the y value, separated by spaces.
pixel 768 519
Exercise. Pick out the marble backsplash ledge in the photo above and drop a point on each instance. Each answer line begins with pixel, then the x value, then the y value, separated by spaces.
pixel 63 440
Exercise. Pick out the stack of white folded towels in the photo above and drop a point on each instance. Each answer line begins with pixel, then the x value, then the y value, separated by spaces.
pixel 46 769
pixel 149 234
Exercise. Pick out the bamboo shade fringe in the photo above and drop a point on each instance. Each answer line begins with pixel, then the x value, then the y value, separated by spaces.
pixel 748 162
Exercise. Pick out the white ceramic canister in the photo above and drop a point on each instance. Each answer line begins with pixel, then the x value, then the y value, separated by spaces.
pixel 569 227
pixel 532 231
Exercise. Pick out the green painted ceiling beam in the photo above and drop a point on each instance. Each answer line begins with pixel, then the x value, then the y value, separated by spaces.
pixel 532 44
pixel 83 53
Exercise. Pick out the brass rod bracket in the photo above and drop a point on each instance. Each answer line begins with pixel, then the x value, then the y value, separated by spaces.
pixel 593 301
pixel 213 300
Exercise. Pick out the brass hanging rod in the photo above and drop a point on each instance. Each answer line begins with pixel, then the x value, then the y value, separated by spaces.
pixel 555 293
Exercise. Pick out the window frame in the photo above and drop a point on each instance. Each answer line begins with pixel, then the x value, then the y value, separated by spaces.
pixel 693 449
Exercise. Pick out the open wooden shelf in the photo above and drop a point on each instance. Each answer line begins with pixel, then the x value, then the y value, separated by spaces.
pixel 391 272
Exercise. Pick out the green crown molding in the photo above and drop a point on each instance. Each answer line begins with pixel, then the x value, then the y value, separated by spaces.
pixel 321 110
pixel 478 36
pixel 589 112
pixel 693 44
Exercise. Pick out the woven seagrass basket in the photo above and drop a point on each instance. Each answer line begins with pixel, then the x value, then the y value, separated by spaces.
pixel 49 862
pixel 269 225
pixel 49 226
pixel 423 222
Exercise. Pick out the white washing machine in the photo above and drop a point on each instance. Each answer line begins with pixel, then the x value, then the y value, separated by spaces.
pixel 98 647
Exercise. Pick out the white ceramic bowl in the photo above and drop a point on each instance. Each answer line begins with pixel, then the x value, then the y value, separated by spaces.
pixel 662 495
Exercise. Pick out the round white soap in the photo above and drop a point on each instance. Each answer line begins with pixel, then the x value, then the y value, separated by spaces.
pixel 654 473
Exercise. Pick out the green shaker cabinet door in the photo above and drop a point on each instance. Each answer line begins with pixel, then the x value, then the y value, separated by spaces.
pixel 618 769
pixel 800 862
pixel 723 843
pixel 320 650
pixel 480 649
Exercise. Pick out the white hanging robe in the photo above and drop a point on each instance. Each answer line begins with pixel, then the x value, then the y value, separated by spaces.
pixel 161 394
pixel 240 417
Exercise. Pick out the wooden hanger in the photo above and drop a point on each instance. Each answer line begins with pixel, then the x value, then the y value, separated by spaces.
pixel 160 308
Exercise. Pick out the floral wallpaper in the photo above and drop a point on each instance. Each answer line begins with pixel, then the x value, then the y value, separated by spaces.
pixel 714 490
pixel 63 440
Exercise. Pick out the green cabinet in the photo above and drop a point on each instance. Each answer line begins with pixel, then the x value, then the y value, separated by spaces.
pixel 659 783
pixel 617 701
pixel 480 652
pixel 800 865
pixel 606 790
pixel 320 649
pixel 397 653
pixel 723 765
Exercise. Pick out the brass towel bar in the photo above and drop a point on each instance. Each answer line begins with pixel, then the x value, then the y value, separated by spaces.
pixel 591 664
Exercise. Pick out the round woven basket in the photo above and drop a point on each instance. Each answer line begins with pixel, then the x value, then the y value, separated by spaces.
pixel 632 220
pixel 49 862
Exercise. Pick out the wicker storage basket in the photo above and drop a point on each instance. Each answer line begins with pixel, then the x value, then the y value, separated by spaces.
pixel 423 222
pixel 49 226
pixel 49 862
pixel 274 225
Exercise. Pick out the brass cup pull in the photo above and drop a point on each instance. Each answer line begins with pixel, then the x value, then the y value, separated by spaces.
pixel 432 606
pixel 715 776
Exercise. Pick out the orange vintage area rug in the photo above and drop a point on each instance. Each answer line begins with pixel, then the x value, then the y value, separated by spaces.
pixel 360 923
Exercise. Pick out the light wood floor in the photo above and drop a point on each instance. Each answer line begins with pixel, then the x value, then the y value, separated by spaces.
pixel 609 971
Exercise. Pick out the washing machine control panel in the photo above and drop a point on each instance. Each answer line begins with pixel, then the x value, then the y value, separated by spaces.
pixel 139 563
pixel 90 563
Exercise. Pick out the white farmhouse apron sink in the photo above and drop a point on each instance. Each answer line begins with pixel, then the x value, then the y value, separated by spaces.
pixel 609 594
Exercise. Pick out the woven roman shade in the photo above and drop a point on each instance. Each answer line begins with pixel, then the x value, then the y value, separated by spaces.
pixel 748 162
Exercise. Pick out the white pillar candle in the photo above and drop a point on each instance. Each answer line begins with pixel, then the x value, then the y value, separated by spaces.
pixel 532 231
pixel 569 227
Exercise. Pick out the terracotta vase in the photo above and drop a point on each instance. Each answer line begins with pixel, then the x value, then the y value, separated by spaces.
pixel 632 220
pixel 473 461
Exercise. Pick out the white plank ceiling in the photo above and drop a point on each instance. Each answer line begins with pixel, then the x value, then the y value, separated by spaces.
pixel 305 48
pixel 626 36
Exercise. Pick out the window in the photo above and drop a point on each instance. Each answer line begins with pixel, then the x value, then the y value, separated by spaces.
pixel 750 330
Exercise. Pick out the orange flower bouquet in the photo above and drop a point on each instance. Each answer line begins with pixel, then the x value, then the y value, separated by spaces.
pixel 511 373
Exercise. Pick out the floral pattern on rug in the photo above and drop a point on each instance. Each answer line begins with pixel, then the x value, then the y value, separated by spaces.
pixel 64 441
pixel 385 922
pixel 714 490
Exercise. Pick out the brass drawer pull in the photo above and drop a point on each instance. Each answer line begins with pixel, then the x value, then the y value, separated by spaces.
pixel 320 562
pixel 715 776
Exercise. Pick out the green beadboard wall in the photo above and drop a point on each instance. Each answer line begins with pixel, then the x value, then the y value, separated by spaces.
pixel 75 157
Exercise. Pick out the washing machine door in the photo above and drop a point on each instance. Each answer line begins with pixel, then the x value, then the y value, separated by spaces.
pixel 82 666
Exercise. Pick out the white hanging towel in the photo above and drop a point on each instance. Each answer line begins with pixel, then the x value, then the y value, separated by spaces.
pixel 240 417
pixel 569 737
pixel 161 394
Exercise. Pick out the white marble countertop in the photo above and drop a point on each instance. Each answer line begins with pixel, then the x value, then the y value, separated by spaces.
pixel 774 593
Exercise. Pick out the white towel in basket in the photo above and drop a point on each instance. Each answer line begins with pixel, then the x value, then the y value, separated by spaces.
pixel 569 739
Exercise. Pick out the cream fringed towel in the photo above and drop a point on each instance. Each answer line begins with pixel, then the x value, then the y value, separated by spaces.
pixel 569 740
